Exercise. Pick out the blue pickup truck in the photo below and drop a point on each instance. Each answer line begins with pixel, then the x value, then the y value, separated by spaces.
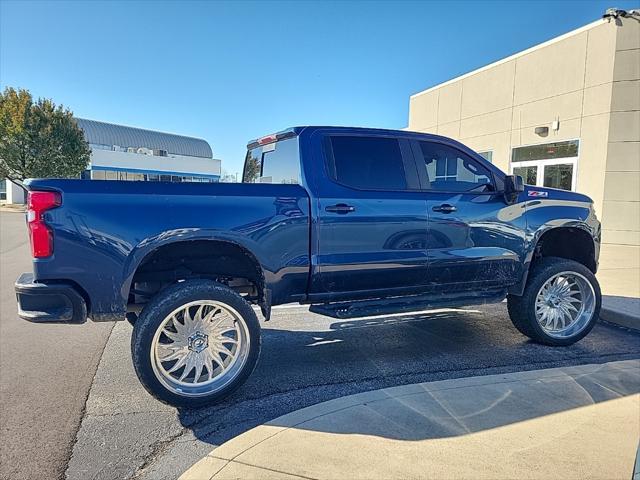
pixel 354 222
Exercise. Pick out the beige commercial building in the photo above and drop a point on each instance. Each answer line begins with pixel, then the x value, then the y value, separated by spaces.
pixel 565 113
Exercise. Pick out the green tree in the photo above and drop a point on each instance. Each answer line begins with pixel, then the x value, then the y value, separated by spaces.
pixel 39 139
pixel 251 169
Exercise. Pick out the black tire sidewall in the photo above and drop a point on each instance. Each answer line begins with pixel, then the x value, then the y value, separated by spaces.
pixel 541 272
pixel 162 305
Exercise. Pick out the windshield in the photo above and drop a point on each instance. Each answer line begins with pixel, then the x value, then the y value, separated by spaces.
pixel 277 162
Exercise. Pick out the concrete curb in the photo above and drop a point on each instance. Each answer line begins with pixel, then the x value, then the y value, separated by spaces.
pixel 619 317
pixel 12 208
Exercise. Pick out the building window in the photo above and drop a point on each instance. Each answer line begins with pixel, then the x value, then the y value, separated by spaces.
pixel 546 151
pixel 3 189
pixel 547 165
pixel 488 155
pixel 149 177
pixel 98 146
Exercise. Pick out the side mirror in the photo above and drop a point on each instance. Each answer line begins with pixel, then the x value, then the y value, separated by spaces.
pixel 513 186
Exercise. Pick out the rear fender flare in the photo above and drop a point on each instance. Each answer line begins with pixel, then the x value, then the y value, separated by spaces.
pixel 149 245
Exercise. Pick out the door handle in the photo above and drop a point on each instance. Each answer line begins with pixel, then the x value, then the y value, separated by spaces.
pixel 444 208
pixel 340 208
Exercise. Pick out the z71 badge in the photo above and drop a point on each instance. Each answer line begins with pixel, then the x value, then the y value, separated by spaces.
pixel 538 193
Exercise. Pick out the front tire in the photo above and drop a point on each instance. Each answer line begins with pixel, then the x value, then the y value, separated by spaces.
pixel 560 304
pixel 194 343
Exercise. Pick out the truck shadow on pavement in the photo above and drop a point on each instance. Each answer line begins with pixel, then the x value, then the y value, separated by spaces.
pixel 299 368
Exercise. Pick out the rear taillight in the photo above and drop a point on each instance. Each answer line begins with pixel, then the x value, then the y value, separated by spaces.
pixel 40 234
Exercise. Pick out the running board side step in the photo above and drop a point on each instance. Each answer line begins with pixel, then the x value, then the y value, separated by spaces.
pixel 386 306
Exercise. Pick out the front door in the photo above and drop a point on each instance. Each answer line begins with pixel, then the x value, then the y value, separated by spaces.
pixel 371 227
pixel 548 165
pixel 474 239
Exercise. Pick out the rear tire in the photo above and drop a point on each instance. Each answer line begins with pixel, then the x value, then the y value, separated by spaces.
pixel 560 303
pixel 194 343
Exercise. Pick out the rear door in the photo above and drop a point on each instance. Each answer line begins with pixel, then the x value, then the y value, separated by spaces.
pixel 474 239
pixel 371 217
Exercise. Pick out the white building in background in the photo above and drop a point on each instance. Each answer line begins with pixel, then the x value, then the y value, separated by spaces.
pixel 128 153
pixel 10 192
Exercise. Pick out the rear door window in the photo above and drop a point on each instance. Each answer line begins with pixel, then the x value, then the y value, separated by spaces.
pixel 366 163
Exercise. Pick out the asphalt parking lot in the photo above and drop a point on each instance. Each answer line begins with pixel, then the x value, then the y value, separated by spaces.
pixel 45 373
pixel 307 359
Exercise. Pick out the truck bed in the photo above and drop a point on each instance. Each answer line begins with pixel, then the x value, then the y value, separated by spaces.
pixel 104 230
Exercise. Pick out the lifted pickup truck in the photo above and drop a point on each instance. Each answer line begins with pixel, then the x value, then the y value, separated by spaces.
pixel 355 222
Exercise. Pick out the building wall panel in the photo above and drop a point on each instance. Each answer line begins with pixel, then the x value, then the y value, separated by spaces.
pixel 593 158
pixel 625 96
pixel 423 111
pixel 488 91
pixel 627 65
pixel 486 124
pixel 622 187
pixel 566 106
pixel 623 157
pixel 550 71
pixel 601 42
pixel 625 126
pixel 597 99
pixel 449 103
pixel 449 129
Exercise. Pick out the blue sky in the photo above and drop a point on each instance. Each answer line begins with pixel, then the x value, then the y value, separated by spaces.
pixel 232 71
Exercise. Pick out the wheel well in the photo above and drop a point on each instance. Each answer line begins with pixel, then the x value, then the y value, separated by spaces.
pixel 222 261
pixel 567 242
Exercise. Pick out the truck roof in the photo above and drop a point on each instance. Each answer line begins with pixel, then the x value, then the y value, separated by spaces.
pixel 294 131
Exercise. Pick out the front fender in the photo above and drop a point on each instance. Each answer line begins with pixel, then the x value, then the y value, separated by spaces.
pixel 544 216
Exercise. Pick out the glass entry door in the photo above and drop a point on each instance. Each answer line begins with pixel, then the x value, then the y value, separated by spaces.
pixel 528 174
pixel 548 165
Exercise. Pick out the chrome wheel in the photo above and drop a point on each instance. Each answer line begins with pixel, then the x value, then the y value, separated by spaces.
pixel 199 348
pixel 565 304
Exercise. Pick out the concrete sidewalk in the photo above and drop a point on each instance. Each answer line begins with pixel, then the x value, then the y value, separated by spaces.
pixel 577 422
pixel 619 277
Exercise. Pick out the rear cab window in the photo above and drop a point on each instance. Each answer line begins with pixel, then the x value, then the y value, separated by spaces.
pixel 275 162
